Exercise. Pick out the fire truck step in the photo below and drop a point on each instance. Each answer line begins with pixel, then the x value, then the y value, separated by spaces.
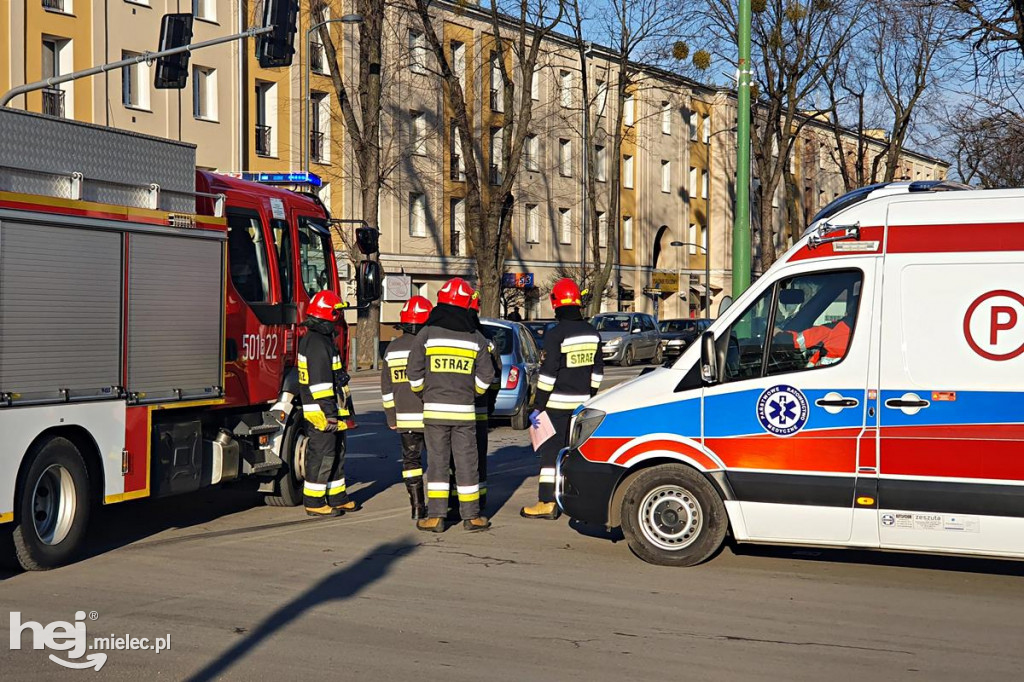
pixel 263 429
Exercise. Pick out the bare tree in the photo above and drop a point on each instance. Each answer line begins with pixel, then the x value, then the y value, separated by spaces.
pixel 979 130
pixel 519 31
pixel 994 26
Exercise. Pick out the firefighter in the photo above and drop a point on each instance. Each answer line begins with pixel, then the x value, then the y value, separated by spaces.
pixel 324 392
pixel 571 373
pixel 450 365
pixel 485 405
pixel 403 407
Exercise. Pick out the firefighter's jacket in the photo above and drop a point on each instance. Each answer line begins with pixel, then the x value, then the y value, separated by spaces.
pixel 323 382
pixel 450 369
pixel 402 406
pixel 573 368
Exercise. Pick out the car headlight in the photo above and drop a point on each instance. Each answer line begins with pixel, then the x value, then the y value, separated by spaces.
pixel 613 342
pixel 584 423
pixel 676 342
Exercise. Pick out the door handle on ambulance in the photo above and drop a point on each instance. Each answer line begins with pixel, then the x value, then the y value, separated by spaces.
pixel 909 403
pixel 836 402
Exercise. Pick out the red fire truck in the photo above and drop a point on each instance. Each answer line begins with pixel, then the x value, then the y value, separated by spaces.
pixel 148 327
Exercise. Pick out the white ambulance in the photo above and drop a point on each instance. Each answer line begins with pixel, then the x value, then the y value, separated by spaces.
pixel 867 391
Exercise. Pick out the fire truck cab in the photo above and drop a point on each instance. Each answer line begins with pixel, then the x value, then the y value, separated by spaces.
pixel 865 392
pixel 149 316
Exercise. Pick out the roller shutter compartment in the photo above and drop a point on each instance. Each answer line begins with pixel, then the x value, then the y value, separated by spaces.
pixel 60 312
pixel 175 315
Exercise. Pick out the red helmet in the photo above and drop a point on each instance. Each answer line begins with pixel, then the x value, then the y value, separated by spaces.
pixel 565 292
pixel 415 311
pixel 325 305
pixel 474 302
pixel 457 292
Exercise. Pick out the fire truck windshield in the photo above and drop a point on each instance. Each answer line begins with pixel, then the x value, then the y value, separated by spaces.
pixel 314 246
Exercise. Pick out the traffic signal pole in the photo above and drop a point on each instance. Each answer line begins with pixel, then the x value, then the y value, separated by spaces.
pixel 741 220
pixel 145 57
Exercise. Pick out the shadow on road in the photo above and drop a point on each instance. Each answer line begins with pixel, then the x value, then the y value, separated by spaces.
pixel 338 586
pixel 507 468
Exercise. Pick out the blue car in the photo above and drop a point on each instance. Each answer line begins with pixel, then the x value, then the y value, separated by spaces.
pixel 520 366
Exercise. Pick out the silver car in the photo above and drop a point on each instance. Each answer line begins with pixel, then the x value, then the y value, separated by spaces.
pixel 628 337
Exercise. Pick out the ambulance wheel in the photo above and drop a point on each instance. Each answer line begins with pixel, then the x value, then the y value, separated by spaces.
pixel 53 505
pixel 289 480
pixel 672 516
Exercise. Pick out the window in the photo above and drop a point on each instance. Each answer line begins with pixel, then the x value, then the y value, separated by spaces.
pixel 62 6
pixel 319 133
pixel 204 93
pixel 706 130
pixel 565 158
pixel 745 339
pixel 703 184
pixel 666 176
pixel 497 85
pixel 627 232
pixel 691 238
pixel 565 88
pixel 602 229
pixel 459 61
pixel 692 186
pixel 535 84
pixel 666 118
pixel 458 165
pixel 457 226
pixel 417 52
pixel 629 110
pixel 419 133
pixel 532 224
pixel 532 160
pixel 627 172
pixel 266 118
pixel 135 83
pixel 281 232
pixel 247 256
pixel 601 172
pixel 565 225
pixel 314 254
pixel 205 9
pixel 647 323
pixel 602 97
pixel 417 214
pixel 496 156
pixel 693 123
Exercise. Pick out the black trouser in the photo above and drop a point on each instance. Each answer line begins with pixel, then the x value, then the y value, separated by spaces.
pixel 325 469
pixel 482 427
pixel 412 457
pixel 548 452
pixel 443 443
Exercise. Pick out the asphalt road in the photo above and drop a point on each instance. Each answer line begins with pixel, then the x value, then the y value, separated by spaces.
pixel 249 592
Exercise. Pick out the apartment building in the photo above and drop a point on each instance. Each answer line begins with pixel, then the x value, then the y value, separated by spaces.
pixel 54 37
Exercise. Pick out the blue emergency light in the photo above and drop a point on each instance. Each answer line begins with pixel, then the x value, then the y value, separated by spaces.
pixel 292 178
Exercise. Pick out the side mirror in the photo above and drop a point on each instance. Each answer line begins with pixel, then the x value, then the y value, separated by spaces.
pixel 370 282
pixel 636 330
pixel 708 358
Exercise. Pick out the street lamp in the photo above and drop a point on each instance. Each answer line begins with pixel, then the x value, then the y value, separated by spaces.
pixel 306 143
pixel 707 273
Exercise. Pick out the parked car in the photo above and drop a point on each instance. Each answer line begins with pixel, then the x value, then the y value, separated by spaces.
pixel 677 335
pixel 538 328
pixel 628 337
pixel 520 366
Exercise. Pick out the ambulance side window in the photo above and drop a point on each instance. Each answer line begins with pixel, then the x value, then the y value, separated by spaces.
pixel 247 256
pixel 745 338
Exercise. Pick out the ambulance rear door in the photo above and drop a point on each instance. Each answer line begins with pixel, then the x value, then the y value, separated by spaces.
pixel 951 398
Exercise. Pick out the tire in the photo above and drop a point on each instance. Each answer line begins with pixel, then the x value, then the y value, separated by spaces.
pixel 521 419
pixel 628 356
pixel 288 483
pixel 53 506
pixel 658 356
pixel 679 540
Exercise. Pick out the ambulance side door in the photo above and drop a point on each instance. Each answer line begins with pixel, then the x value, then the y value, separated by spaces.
pixel 787 417
pixel 951 395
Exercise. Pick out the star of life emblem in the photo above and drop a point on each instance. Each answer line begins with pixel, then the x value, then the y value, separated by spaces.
pixel 782 410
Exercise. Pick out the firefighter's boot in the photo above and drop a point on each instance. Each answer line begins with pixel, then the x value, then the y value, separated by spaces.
pixel 348 506
pixel 541 510
pixel 416 500
pixel 477 524
pixel 323 512
pixel 431 525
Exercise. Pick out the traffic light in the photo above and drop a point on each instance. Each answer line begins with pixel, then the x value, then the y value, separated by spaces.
pixel 172 71
pixel 367 240
pixel 275 48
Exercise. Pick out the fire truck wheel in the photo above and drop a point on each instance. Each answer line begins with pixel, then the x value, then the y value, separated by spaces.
pixel 53 506
pixel 289 482
pixel 672 516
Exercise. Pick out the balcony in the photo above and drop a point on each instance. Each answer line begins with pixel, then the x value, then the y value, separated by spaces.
pixel 54 5
pixel 316 146
pixel 497 101
pixel 455 240
pixel 456 173
pixel 263 140
pixel 53 102
pixel 317 58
